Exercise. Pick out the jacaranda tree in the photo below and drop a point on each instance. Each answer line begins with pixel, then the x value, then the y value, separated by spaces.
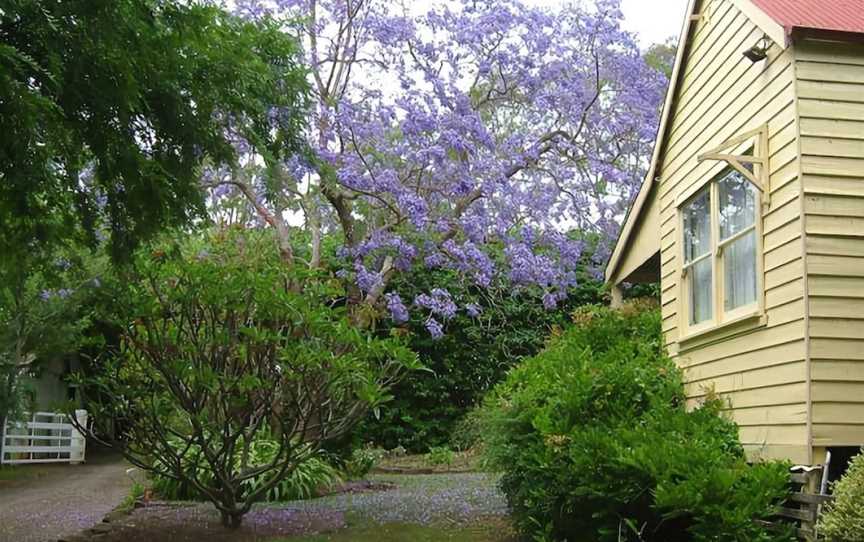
pixel 442 128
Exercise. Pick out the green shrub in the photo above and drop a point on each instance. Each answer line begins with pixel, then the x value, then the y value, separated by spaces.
pixel 302 482
pixel 843 520
pixel 594 443
pixel 362 461
pixel 440 455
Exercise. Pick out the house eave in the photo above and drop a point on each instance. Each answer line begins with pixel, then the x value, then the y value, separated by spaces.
pixel 636 209
pixel 771 28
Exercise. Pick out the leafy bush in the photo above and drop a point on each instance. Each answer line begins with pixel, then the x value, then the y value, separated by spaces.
pixel 362 461
pixel 302 482
pixel 440 455
pixel 594 443
pixel 843 520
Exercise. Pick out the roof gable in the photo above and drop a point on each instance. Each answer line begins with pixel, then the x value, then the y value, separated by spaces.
pixel 825 15
pixel 779 19
pixel 645 190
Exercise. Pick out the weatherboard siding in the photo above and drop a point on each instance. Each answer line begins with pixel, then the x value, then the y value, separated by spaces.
pixel 830 81
pixel 761 371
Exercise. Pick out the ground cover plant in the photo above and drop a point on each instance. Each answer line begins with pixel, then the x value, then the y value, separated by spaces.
pixel 303 481
pixel 228 377
pixel 594 443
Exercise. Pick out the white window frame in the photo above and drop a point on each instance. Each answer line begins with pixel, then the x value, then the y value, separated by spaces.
pixel 720 317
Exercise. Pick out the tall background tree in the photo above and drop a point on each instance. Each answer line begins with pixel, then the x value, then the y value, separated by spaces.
pixel 109 109
pixel 442 131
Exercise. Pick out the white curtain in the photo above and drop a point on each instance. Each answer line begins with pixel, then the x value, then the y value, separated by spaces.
pixel 739 260
pixel 701 292
pixel 697 244
pixel 737 203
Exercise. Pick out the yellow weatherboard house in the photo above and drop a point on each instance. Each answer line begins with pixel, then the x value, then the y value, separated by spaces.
pixel 751 218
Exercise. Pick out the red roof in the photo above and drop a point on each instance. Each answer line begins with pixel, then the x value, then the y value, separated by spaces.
pixel 827 15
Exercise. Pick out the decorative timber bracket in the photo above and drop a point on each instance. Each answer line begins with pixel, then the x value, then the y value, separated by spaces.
pixel 757 172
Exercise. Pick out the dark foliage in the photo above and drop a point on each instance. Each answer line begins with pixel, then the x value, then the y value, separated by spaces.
pixel 473 355
pixel 109 109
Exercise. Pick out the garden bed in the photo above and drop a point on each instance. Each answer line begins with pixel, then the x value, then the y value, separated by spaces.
pixel 456 507
pixel 463 462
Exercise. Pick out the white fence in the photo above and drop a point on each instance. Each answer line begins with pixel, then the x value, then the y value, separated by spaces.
pixel 47 437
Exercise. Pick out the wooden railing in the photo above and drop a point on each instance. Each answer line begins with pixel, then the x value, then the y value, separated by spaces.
pixel 804 503
pixel 45 437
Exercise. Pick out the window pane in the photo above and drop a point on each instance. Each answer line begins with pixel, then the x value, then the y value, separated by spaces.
pixel 697 227
pixel 701 291
pixel 737 204
pixel 739 262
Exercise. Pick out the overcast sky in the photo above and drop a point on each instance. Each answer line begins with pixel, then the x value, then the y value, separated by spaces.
pixel 654 20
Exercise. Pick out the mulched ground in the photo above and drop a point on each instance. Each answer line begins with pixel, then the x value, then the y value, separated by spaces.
pixel 421 499
pixel 194 522
pixel 441 499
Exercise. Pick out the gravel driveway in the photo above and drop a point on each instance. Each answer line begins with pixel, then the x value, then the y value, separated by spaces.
pixel 62 500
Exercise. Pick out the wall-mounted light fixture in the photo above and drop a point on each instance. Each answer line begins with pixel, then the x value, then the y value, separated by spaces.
pixel 759 51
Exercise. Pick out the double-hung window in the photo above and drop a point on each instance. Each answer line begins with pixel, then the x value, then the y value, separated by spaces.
pixel 721 252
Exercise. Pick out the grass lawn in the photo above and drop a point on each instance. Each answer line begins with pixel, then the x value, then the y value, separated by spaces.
pixel 10 474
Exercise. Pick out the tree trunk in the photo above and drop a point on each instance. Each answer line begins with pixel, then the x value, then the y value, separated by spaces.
pixel 315 226
pixel 231 520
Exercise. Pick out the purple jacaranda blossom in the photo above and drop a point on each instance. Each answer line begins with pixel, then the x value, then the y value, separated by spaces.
pixel 61 293
pixel 474 310
pixel 451 130
pixel 438 302
pixel 366 280
pixel 550 301
pixel 398 311
pixel 434 328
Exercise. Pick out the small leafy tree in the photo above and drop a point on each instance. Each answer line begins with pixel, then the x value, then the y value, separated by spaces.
pixel 221 347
